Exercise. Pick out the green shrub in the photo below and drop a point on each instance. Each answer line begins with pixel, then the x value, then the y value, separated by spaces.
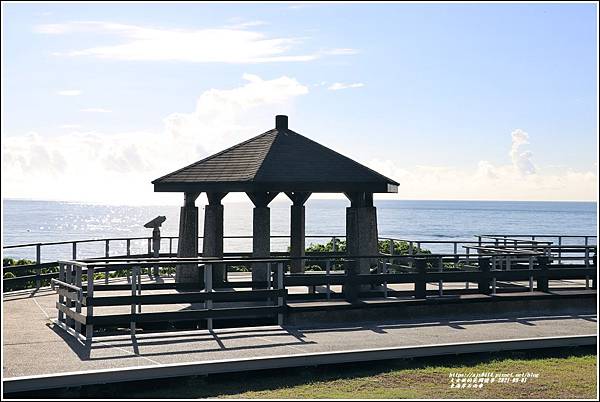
pixel 400 248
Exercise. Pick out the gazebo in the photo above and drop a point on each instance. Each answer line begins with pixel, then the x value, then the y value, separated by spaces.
pixel 279 160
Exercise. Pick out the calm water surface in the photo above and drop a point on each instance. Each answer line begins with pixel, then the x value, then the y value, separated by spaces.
pixel 45 221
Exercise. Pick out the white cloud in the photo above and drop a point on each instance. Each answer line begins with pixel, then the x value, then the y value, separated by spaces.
pixel 336 86
pixel 118 168
pixel 518 180
pixel 224 117
pixel 70 92
pixel 521 160
pixel 95 110
pixel 222 45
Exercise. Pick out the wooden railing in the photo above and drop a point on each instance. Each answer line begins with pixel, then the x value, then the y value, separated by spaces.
pixel 77 290
pixel 79 293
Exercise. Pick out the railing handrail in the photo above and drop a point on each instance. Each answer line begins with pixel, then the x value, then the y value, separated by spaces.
pixel 150 261
pixel 317 236
pixel 55 243
pixel 537 235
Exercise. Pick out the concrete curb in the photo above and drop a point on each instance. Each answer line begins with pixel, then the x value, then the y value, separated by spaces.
pixel 73 379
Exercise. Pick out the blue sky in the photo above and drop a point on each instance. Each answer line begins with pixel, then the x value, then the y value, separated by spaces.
pixel 454 101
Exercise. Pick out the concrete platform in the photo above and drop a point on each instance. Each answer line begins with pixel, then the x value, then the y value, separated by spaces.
pixel 39 354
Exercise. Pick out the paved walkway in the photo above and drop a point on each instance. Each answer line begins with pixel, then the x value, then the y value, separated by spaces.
pixel 34 346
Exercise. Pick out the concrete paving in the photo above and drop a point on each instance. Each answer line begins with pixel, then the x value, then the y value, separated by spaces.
pixel 33 345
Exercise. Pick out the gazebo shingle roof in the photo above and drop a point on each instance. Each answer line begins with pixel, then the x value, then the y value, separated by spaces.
pixel 277 160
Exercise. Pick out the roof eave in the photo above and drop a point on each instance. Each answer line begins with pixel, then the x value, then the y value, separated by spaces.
pixel 249 186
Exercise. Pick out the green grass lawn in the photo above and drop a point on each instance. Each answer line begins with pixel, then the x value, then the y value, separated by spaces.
pixel 563 373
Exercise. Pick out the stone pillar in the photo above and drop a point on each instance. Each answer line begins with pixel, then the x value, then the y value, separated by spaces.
pixel 361 236
pixel 188 240
pixel 297 232
pixel 261 232
pixel 212 244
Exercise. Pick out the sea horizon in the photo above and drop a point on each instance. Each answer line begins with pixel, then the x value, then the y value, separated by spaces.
pixel 277 200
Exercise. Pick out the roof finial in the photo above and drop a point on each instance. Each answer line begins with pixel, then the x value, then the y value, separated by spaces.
pixel 281 122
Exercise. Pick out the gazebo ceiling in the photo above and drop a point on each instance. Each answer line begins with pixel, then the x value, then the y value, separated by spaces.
pixel 277 160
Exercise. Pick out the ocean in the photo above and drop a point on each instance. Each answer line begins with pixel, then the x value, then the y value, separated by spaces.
pixel 51 221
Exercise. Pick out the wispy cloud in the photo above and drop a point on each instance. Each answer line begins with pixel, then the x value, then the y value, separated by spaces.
pixel 70 92
pixel 70 126
pixel 237 23
pixel 336 86
pixel 95 110
pixel 341 51
pixel 299 6
pixel 234 44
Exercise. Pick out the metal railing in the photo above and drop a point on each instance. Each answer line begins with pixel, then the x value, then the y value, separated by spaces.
pixel 562 253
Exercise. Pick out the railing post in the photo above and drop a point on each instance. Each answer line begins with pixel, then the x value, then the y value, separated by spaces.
pixel 410 253
pixel 421 283
pixel 89 313
pixel 333 239
pixel 208 289
pixel 170 246
pixel 351 286
pixel 74 250
pixel 149 247
pixel 61 298
pixel 385 271
pixel 493 268
pixel 138 285
pixel 484 281
pixel 468 251
pixel 531 273
pixel 560 249
pixel 128 247
pixel 455 249
pixel 106 255
pixel 440 282
pixel 595 265
pixel 79 297
pixel 280 298
pixel 587 265
pixel 587 257
pixel 542 282
pixel 134 279
pixel 327 277
pixel 38 260
pixel 68 274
